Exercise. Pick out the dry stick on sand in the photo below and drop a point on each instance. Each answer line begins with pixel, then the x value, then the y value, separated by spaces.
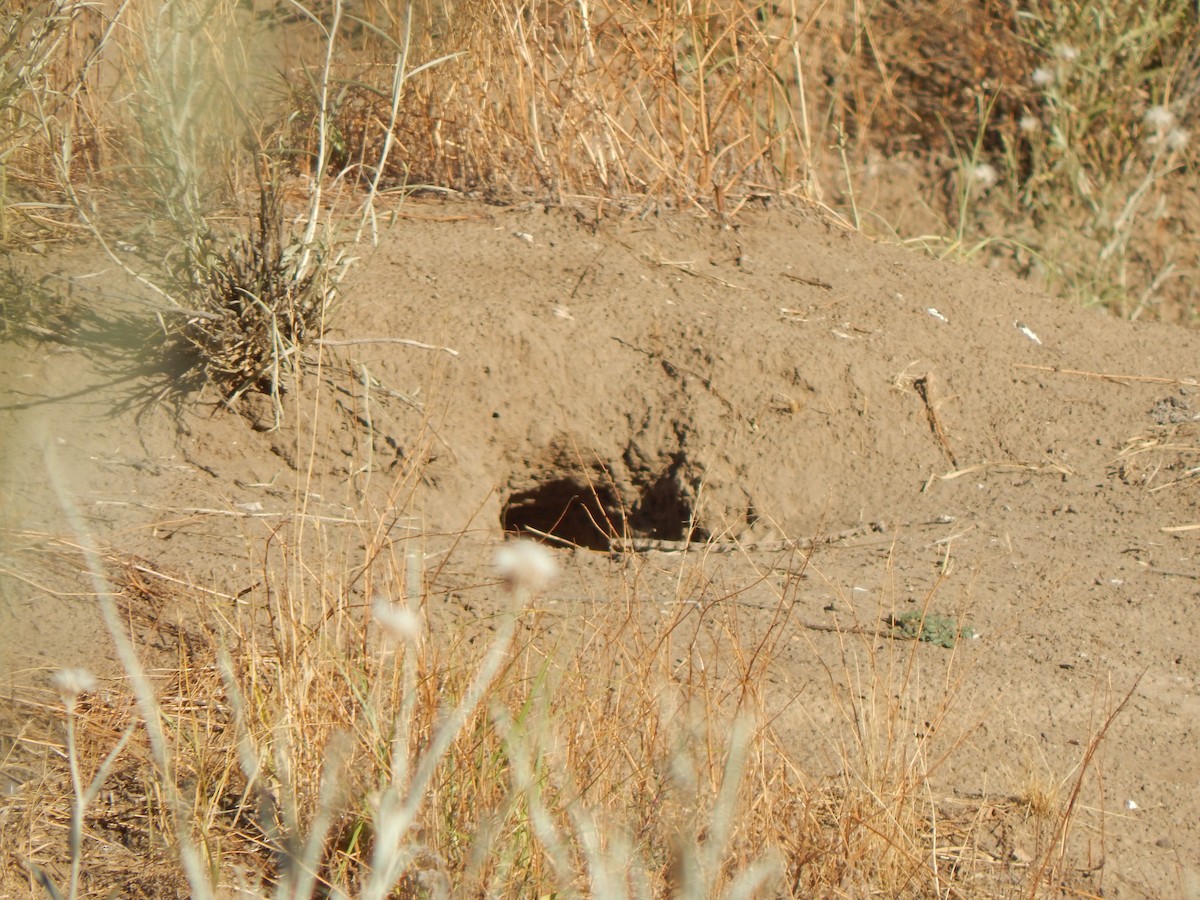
pixel 1107 376
pixel 686 268
pixel 1121 379
pixel 350 342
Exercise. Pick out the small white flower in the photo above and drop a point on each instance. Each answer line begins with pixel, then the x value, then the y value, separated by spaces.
pixel 525 566
pixel 70 683
pixel 1030 124
pixel 1177 138
pixel 1042 77
pixel 985 175
pixel 397 619
pixel 1159 119
pixel 1066 53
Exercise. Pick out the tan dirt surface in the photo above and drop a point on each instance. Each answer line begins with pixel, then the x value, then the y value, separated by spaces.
pixel 926 436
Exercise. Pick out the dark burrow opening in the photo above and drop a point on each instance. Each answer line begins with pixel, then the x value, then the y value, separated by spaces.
pixel 589 513
pixel 664 509
pixel 568 508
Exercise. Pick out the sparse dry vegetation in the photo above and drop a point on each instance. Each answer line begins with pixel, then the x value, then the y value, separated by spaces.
pixel 323 748
pixel 310 750
pixel 1052 137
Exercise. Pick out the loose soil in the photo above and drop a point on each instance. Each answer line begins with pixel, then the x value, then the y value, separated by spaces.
pixel 868 431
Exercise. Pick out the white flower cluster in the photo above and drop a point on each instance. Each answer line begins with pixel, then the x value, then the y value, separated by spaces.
pixel 985 175
pixel 526 566
pixel 1045 77
pixel 70 683
pixel 1164 128
pixel 398 620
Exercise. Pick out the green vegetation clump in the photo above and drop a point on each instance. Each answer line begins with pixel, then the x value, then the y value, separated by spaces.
pixel 930 628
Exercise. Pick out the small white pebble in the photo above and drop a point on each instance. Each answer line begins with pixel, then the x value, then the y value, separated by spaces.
pixel 1028 332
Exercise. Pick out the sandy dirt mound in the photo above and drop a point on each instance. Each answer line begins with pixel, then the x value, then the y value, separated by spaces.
pixel 773 409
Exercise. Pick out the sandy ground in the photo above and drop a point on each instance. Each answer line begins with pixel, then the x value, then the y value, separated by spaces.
pixel 930 436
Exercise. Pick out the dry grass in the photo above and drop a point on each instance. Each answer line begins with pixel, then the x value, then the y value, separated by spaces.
pixel 605 105
pixel 587 103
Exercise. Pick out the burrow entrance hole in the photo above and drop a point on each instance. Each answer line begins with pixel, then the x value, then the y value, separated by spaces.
pixel 587 512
